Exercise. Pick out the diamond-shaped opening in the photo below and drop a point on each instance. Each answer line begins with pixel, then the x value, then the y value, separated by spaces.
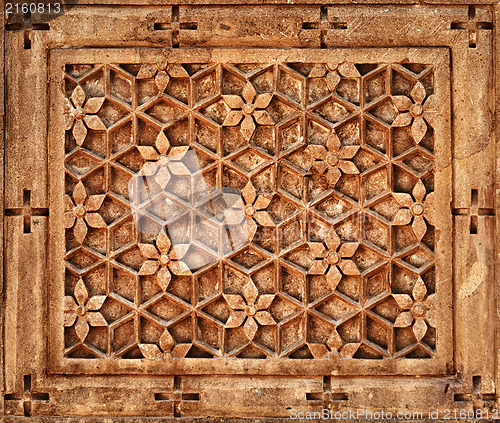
pixel 388 309
pixel 403 237
pixel 82 258
pixel 147 228
pixel 336 308
pixel 206 232
pixel 165 110
pixel 208 282
pixel 386 207
pixel 166 209
pixel 377 332
pixel 123 335
pixel 178 88
pixel 375 183
pixel 251 352
pixel 263 181
pixel 95 239
pixel 98 338
pixel 250 160
pixel 132 353
pixel 291 233
pixel 266 337
pixel 300 256
pixel 131 258
pixel 332 111
pixel 290 84
pixel 403 280
pixel 119 179
pixel 385 111
pixel 349 185
pixel 149 287
pixel 77 71
pixel 123 283
pixel 205 86
pixel 318 287
pixel 208 332
pixel 120 138
pixel 377 136
pixel 365 352
pixel 300 158
pixel 402 140
pixel 205 133
pixel 232 83
pixel 419 161
pixel 196 258
pixel 234 280
pixel 318 330
pixel 113 310
pixel 279 110
pixel 179 187
pixel 365 258
pixel 293 283
pixel 376 232
pixel 111 112
pixel 264 138
pixel 120 86
pixel 290 135
pixel 81 162
pixel 377 283
pixel 302 353
pixel 348 229
pixel 404 337
pixel 418 352
pixel 93 84
pixel 348 88
pixel 401 84
pixel 265 279
pixel 281 209
pixel 318 89
pixel 95 142
pixel 334 206
pixel 416 68
pixel 179 230
pixel 366 160
pixel 264 81
pixel 317 133
pixel 82 351
pixel 181 287
pixel 216 111
pixel 146 90
pixel 218 309
pixel 375 86
pixel 150 331
pixel 350 286
pixel 291 181
pixel 182 332
pixel 232 139
pixel 194 68
pixel 265 237
pixel 404 181
pixel 292 333
pixel 197 352
pixel 349 132
pixel 249 257
pixel 282 308
pixel 350 330
pixel 178 133
pixel 418 258
pixel 147 132
pixel 166 309
pixel 303 68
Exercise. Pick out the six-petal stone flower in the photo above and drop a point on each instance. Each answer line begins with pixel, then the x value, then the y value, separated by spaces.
pixel 249 309
pixel 248 108
pixel 416 112
pixel 419 309
pixel 78 210
pixel 84 310
pixel 415 208
pixel 334 260
pixel 163 259
pixel 82 109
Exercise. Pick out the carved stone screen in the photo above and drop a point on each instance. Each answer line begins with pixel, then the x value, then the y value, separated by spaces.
pixel 208 215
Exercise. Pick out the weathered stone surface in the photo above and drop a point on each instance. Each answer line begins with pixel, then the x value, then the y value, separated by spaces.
pixel 243 210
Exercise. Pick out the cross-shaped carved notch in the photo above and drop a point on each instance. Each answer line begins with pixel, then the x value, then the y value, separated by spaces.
pixel 326 398
pixel 324 24
pixel 175 26
pixel 478 399
pixel 27 397
pixel 472 25
pixel 177 397
pixel 474 211
pixel 27 212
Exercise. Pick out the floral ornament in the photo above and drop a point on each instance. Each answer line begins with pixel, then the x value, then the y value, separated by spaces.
pixel 333 159
pixel 163 259
pixel 335 345
pixel 249 309
pixel 421 309
pixel 162 72
pixel 415 112
pixel 248 109
pixel 334 260
pixel 78 210
pixel 84 310
pixel 167 348
pixel 80 109
pixel 334 73
pixel 165 159
pixel 253 211
pixel 416 209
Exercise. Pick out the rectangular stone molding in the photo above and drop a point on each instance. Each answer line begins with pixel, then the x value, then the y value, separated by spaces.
pixel 291 213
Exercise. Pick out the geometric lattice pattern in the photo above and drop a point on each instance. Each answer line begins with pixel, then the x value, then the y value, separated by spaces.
pixel 250 211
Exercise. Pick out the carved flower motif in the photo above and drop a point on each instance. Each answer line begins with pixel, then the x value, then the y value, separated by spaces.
pixel 416 112
pixel 162 72
pixel 82 109
pixel 335 345
pixel 421 309
pixel 166 348
pixel 163 259
pixel 249 309
pixel 253 211
pixel 333 160
pixel 165 160
pixel 334 260
pixel 334 72
pixel 79 212
pixel 84 310
pixel 248 109
pixel 415 208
